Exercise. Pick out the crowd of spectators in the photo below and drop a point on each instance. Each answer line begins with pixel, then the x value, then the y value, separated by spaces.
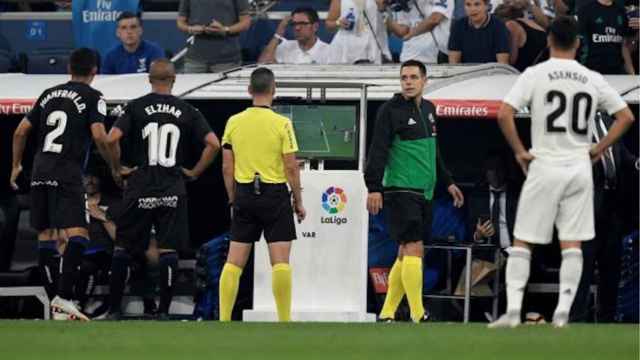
pixel 366 31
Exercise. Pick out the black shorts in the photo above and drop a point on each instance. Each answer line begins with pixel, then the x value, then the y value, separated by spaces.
pixel 57 205
pixel 168 214
pixel 408 216
pixel 270 212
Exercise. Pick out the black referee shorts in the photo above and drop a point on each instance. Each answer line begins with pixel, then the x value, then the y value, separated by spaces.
pixel 408 216
pixel 270 212
pixel 168 214
pixel 57 205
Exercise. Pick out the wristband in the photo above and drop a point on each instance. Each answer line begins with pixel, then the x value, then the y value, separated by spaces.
pixel 279 37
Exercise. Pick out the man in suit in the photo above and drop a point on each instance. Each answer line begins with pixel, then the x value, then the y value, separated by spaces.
pixel 613 177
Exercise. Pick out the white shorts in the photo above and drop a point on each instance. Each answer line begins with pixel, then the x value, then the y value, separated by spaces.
pixel 560 194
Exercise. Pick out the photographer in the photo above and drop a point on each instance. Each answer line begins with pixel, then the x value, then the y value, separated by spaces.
pixel 361 34
pixel 424 25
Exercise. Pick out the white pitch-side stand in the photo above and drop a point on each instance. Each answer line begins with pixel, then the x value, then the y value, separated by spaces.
pixel 329 258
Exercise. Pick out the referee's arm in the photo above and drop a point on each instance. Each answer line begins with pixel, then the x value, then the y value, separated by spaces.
pixel 228 163
pixel 292 171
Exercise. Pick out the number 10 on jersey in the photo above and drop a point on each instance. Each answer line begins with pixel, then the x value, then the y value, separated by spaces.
pixel 162 143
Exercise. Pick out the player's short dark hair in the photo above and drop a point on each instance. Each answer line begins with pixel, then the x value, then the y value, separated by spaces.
pixel 310 12
pixel 128 15
pixel 564 32
pixel 262 79
pixel 82 61
pixel 416 63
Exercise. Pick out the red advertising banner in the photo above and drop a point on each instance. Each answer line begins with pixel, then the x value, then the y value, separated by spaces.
pixel 484 109
pixel 15 106
pixel 380 279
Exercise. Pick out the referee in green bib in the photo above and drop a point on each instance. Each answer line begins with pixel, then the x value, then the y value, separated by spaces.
pixel 259 159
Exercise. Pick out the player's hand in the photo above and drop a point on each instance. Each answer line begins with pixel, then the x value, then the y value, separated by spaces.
pixel 95 211
pixel 374 202
pixel 485 230
pixel 458 197
pixel 342 24
pixel 15 172
pixel 301 213
pixel 197 29
pixel 282 27
pixel 190 174
pixel 595 153
pixel 523 159
pixel 412 33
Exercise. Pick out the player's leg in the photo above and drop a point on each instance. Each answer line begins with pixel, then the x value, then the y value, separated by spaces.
pixel 172 229
pixel 245 230
pixel 276 214
pixel 281 278
pixel 77 240
pixel 395 289
pixel 575 223
pixel 49 261
pixel 536 213
pixel 406 214
pixel 48 255
pixel 133 226
pixel 230 278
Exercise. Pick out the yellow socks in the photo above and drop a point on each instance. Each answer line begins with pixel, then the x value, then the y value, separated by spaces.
pixel 229 282
pixel 395 292
pixel 412 282
pixel 281 287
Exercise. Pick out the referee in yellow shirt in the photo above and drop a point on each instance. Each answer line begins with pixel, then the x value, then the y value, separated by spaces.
pixel 259 159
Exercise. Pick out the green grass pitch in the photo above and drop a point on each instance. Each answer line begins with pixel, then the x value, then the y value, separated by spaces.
pixel 28 339
pixel 323 131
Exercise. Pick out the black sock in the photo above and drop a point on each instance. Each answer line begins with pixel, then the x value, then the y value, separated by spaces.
pixel 48 264
pixel 168 270
pixel 70 262
pixel 119 274
pixel 85 281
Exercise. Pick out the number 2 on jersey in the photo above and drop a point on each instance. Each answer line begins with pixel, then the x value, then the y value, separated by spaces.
pixel 158 140
pixel 58 119
pixel 578 98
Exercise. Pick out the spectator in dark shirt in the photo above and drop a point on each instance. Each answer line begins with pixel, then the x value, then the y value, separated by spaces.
pixel 528 39
pixel 216 26
pixel 603 27
pixel 478 37
pixel 132 55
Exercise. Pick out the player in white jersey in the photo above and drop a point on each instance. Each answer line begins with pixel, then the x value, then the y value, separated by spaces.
pixel 563 97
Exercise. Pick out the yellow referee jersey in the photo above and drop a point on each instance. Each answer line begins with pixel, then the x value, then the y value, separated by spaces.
pixel 258 137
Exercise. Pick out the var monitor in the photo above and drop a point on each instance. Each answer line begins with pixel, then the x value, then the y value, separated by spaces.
pixel 323 131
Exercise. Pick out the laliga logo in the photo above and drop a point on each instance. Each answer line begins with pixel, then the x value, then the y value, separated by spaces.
pixel 334 201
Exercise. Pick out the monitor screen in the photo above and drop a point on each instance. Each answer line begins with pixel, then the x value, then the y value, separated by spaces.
pixel 323 131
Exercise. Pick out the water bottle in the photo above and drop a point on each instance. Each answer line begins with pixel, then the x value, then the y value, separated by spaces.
pixel 351 19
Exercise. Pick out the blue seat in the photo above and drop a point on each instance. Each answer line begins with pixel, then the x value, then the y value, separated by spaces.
pixel 47 61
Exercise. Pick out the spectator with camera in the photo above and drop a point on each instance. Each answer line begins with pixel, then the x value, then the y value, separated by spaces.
pixel 361 33
pixel 305 49
pixel 133 54
pixel 216 26
pixel 424 26
pixel 478 37
pixel 528 39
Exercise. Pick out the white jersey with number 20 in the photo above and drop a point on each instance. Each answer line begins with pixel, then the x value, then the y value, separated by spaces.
pixel 563 97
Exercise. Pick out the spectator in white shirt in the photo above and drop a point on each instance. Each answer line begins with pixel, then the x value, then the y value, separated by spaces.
pixel 425 30
pixel 305 49
pixel 361 33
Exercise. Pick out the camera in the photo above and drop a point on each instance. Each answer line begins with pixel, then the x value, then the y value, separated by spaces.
pixel 399 5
